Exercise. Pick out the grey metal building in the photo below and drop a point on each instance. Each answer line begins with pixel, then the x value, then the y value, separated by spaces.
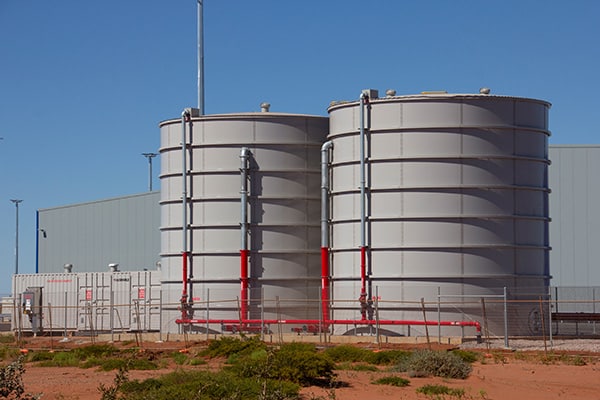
pixel 575 226
pixel 123 230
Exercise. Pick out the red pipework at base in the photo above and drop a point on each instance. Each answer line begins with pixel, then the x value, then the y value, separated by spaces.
pixel 184 294
pixel 244 283
pixel 325 282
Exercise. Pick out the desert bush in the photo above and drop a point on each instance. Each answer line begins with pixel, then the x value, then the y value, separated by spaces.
pixel 226 346
pixel 112 392
pixel 179 358
pixel 392 380
pixel 466 356
pixel 299 363
pixel 95 350
pixel 58 359
pixel 113 363
pixel 11 381
pixel 207 386
pixel 7 352
pixel 7 339
pixel 437 390
pixel 355 354
pixel 435 363
pixel 347 353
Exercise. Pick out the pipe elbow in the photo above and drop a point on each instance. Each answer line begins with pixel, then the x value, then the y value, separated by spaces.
pixel 327 145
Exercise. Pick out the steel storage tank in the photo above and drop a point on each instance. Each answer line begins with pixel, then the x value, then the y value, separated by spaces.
pixel 456 205
pixel 282 223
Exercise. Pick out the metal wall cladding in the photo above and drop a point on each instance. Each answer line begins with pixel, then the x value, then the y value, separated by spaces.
pixel 91 235
pixel 283 205
pixel 457 195
pixel 93 301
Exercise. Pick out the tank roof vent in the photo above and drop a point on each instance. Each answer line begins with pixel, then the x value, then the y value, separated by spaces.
pixel 113 267
pixel 68 268
pixel 485 90
pixel 371 93
pixel 264 107
pixel 390 93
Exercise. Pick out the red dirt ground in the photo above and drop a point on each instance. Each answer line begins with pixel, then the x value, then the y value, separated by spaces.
pixel 500 377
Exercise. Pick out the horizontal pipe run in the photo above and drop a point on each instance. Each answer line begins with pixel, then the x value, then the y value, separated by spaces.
pixel 243 322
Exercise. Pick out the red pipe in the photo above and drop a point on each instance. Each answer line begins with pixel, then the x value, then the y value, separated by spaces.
pixel 328 322
pixel 325 283
pixel 363 270
pixel 185 280
pixel 244 283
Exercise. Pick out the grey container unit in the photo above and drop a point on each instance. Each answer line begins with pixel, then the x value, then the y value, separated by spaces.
pixel 57 290
pixel 92 301
pixel 119 301
pixel 457 202
pixel 284 214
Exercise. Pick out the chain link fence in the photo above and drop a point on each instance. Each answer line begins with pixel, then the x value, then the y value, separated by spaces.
pixel 497 313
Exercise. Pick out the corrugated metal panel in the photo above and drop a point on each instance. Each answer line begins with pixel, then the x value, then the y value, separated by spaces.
pixel 575 226
pixel 122 230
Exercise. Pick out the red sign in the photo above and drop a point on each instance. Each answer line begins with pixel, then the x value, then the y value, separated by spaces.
pixel 88 294
pixel 141 293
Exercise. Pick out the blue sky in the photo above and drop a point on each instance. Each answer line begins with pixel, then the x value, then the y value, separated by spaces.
pixel 83 84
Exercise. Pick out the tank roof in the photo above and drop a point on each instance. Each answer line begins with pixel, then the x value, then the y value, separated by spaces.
pixel 439 95
pixel 242 115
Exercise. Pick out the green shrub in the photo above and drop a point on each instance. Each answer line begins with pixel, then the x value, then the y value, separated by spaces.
pixel 466 356
pixel 8 352
pixel 387 357
pixel 436 390
pixel 355 354
pixel 179 358
pixel 7 339
pixel 61 359
pixel 393 381
pixel 40 356
pixel 207 386
pixel 435 363
pixel 11 381
pixel 197 361
pixel 109 364
pixel 347 353
pixel 226 346
pixel 299 363
pixel 95 350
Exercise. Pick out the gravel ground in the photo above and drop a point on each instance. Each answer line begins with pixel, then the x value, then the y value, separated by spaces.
pixel 583 345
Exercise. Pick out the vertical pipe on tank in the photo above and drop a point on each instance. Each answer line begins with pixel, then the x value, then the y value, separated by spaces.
pixel 201 57
pixel 363 251
pixel 185 117
pixel 244 155
pixel 325 228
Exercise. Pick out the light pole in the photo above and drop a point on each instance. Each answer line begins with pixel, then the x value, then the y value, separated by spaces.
pixel 149 156
pixel 16 202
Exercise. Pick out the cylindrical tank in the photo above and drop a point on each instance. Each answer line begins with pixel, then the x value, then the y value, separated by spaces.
pixel 457 204
pixel 283 206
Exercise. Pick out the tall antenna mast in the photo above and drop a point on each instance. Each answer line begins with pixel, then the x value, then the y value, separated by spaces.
pixel 200 57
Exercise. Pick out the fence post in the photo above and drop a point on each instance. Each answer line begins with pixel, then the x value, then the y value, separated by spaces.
pixel 66 314
pixel 505 319
pixel 439 315
pixel 550 316
pixel 207 310
pixel 377 315
pixel 425 322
